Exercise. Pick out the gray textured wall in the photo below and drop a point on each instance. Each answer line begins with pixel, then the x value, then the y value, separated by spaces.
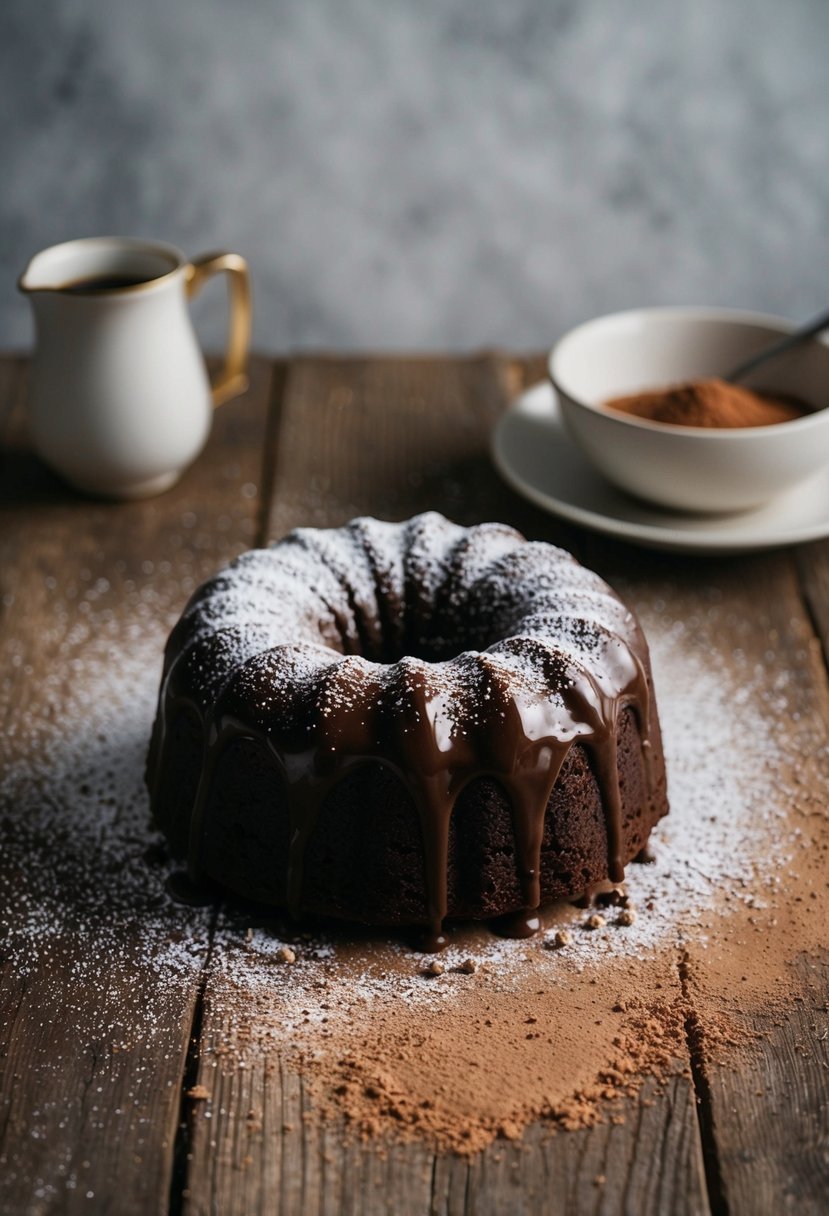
pixel 418 173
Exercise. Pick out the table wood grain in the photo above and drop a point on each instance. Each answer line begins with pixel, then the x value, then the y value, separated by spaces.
pixel 316 441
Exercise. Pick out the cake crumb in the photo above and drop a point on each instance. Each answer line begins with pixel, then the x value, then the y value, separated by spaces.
pixel 626 917
pixel 198 1093
pixel 285 955
pixel 559 939
pixel 468 966
pixel 614 898
pixel 435 967
pixel 596 921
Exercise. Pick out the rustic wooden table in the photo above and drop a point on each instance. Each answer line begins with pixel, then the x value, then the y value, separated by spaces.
pixel 93 1115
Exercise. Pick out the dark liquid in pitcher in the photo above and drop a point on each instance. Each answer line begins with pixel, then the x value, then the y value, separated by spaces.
pixel 105 282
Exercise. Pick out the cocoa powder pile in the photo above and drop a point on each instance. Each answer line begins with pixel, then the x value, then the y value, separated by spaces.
pixel 709 403
pixel 497 1049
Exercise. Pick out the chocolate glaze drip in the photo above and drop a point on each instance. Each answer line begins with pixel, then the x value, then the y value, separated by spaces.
pixel 510 711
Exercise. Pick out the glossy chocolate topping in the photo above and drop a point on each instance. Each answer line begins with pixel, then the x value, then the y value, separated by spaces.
pixel 444 653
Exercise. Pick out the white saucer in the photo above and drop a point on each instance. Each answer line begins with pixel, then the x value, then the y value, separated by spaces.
pixel 535 454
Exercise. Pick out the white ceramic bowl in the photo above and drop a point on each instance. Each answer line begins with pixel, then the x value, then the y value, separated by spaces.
pixel 690 468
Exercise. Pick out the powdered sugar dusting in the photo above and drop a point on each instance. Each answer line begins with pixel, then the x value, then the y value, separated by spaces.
pixel 80 857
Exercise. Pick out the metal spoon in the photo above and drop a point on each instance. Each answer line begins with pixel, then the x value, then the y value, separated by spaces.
pixel 809 330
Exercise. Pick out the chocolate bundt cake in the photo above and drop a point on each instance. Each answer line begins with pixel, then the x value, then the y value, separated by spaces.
pixel 396 723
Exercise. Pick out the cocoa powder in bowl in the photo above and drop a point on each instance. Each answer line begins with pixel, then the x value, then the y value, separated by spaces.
pixel 709 403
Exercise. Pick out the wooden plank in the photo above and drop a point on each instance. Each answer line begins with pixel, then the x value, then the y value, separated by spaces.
pixel 765 1123
pixel 96 1017
pixel 392 438
pixel 770 1116
pixel 773 1116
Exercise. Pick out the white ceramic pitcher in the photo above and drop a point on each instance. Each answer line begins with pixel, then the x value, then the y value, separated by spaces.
pixel 120 401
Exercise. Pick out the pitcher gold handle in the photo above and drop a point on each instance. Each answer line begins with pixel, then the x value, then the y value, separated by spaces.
pixel 233 377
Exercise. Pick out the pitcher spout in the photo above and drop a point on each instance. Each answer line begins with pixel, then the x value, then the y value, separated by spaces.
pixel 30 281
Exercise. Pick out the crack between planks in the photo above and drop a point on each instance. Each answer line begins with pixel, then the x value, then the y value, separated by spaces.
pixel 640 1112
pixel 280 372
pixel 183 1142
pixel 810 611
pixel 694 1039
pixel 182 1146
pixel 467 1190
pixel 433 1210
